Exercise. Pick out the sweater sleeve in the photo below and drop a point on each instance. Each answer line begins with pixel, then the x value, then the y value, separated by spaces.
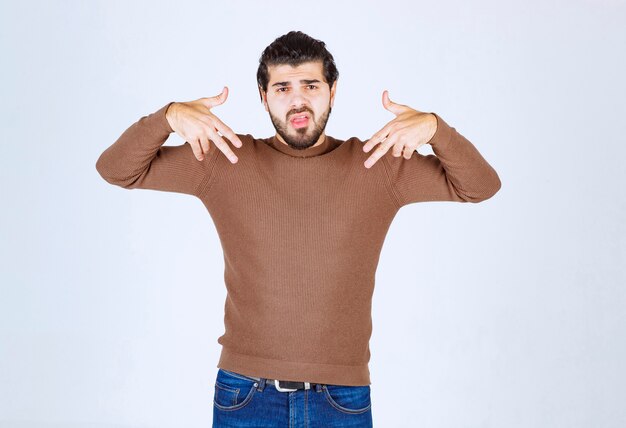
pixel 138 159
pixel 456 172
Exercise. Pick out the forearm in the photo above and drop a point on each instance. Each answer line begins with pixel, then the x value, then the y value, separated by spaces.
pixel 472 177
pixel 130 156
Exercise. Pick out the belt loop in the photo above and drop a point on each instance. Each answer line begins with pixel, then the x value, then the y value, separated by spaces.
pixel 261 384
pixel 318 387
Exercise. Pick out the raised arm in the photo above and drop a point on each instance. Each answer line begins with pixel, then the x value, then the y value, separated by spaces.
pixel 138 158
pixel 456 172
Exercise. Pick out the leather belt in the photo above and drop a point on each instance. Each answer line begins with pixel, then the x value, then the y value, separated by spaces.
pixel 286 385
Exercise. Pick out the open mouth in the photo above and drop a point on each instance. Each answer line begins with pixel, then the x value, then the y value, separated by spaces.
pixel 299 120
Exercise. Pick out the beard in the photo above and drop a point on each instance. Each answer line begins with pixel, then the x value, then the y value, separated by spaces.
pixel 301 138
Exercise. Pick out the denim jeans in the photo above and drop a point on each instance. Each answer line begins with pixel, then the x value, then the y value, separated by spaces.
pixel 242 401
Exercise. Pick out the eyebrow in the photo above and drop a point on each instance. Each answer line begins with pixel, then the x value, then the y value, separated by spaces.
pixel 305 81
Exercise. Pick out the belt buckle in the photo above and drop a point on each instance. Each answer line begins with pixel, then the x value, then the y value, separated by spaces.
pixel 307 385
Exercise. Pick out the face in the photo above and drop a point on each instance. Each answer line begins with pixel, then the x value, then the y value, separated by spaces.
pixel 293 92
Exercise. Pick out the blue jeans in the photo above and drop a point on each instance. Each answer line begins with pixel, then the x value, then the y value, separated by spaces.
pixel 241 401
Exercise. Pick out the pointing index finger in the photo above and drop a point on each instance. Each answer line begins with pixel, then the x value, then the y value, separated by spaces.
pixel 378 153
pixel 377 137
pixel 227 132
pixel 222 146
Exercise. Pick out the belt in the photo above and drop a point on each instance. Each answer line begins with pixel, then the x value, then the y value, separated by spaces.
pixel 286 385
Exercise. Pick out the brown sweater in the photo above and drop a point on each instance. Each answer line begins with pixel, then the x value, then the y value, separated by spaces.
pixel 301 232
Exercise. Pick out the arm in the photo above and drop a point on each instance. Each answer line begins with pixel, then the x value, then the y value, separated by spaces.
pixel 138 159
pixel 456 172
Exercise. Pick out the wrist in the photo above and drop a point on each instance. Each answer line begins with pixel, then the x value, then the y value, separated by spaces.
pixel 170 115
pixel 433 128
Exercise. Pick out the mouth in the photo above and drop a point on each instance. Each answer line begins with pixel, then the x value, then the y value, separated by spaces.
pixel 299 120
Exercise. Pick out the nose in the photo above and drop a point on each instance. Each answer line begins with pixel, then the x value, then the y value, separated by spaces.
pixel 298 100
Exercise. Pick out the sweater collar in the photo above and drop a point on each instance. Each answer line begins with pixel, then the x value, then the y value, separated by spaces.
pixel 327 145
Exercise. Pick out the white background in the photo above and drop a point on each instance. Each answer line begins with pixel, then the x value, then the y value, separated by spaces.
pixel 508 313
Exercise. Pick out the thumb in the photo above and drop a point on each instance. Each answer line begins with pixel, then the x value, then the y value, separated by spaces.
pixel 217 99
pixel 390 105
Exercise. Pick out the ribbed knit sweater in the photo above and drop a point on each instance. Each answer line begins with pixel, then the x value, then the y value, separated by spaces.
pixel 301 232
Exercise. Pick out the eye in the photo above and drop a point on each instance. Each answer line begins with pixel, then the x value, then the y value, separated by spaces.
pixel 312 86
pixel 281 89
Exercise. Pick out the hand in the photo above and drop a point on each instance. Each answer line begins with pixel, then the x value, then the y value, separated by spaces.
pixel 196 124
pixel 408 131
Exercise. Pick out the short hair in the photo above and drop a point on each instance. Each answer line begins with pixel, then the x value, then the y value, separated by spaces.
pixel 295 48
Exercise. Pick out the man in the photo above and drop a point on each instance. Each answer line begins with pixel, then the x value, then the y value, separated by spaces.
pixel 301 217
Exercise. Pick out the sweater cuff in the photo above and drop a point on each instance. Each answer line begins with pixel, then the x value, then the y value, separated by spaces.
pixel 161 120
pixel 442 135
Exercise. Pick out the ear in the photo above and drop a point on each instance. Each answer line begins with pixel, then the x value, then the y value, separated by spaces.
pixel 333 89
pixel 263 98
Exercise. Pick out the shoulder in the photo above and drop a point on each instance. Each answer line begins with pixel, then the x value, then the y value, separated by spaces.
pixel 352 145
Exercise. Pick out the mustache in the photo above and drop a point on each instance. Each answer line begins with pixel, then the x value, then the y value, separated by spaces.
pixel 300 111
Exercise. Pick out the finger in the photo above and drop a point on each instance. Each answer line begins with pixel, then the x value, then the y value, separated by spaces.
pixel 408 152
pixel 217 99
pixel 224 95
pixel 397 150
pixel 377 137
pixel 227 132
pixel 392 141
pixel 205 144
pixel 221 144
pixel 378 153
pixel 197 149
pixel 390 105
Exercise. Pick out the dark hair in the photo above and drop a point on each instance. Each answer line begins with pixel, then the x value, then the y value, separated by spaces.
pixel 295 48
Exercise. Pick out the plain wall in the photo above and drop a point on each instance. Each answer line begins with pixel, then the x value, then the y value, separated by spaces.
pixel 507 313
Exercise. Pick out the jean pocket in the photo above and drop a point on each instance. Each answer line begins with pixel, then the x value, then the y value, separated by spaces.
pixel 348 399
pixel 232 390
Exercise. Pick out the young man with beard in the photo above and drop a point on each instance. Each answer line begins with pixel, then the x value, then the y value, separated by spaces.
pixel 301 218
